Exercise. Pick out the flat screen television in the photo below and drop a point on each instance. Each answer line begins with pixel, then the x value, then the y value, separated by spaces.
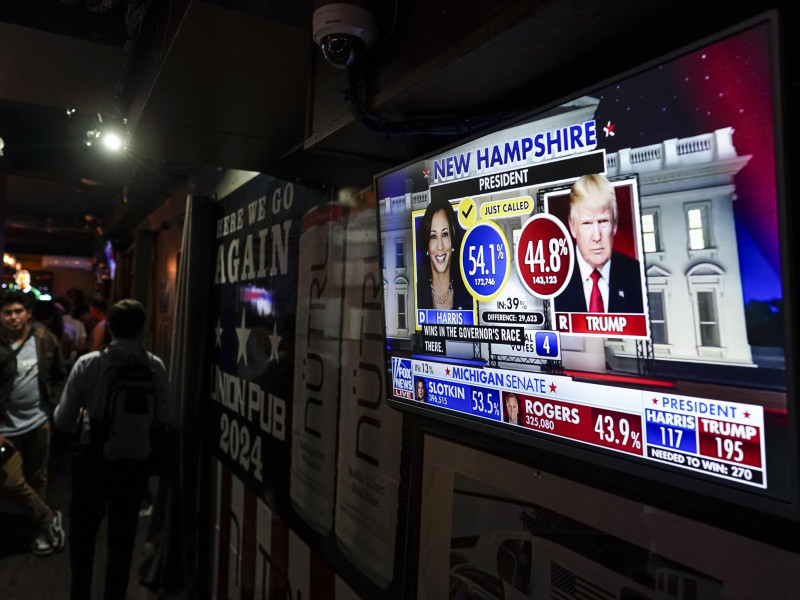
pixel 606 278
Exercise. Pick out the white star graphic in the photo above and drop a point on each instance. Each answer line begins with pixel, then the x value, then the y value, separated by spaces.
pixel 243 333
pixel 274 342
pixel 218 334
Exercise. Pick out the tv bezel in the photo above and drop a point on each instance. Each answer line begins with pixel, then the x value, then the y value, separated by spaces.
pixel 620 474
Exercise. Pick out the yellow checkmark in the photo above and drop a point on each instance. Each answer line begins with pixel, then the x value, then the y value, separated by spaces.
pixel 467 213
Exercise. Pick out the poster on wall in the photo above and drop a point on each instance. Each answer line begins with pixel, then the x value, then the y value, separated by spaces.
pixel 492 528
pixel 346 443
pixel 298 412
pixel 257 230
pixel 368 476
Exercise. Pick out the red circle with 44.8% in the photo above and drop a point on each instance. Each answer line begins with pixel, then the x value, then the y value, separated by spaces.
pixel 544 256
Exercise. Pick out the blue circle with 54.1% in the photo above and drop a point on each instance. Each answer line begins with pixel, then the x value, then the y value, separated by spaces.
pixel 485 263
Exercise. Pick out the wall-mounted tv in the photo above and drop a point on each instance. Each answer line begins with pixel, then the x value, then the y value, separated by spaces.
pixel 607 278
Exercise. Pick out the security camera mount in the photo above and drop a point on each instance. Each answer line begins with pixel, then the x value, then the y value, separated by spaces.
pixel 344 31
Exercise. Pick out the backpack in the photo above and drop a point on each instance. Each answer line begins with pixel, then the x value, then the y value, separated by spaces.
pixel 126 428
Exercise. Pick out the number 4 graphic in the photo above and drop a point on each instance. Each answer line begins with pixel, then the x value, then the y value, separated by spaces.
pixel 546 343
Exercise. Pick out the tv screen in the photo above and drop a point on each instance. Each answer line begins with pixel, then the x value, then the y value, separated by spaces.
pixel 606 277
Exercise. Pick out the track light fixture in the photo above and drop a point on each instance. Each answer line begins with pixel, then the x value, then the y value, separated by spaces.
pixel 108 132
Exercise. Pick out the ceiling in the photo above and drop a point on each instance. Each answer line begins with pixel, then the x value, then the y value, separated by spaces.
pixel 184 74
pixel 211 85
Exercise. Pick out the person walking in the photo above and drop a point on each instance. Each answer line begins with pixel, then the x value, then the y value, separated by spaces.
pixel 50 531
pixel 32 370
pixel 115 399
pixel 97 310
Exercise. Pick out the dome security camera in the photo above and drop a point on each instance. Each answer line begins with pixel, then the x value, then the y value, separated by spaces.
pixel 344 32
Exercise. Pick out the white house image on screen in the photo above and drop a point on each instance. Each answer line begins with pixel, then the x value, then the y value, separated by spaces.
pixel 694 286
pixel 398 262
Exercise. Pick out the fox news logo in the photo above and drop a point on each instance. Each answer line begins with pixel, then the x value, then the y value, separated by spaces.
pixel 401 378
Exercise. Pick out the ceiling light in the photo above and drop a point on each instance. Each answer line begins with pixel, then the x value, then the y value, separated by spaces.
pixel 112 141
pixel 110 131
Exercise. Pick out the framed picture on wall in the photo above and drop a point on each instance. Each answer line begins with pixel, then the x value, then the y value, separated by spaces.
pixel 493 528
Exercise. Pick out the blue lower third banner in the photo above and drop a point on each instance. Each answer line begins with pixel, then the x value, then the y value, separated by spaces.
pixel 445 317
pixel 472 400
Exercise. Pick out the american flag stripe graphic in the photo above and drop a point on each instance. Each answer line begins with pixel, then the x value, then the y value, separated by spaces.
pixel 257 557
pixel 263 571
pixel 235 519
pixel 278 554
pixel 299 560
pixel 223 532
pixel 249 540
pixel 566 585
pixel 322 578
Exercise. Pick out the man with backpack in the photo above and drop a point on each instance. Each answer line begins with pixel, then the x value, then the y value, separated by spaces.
pixel 117 399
